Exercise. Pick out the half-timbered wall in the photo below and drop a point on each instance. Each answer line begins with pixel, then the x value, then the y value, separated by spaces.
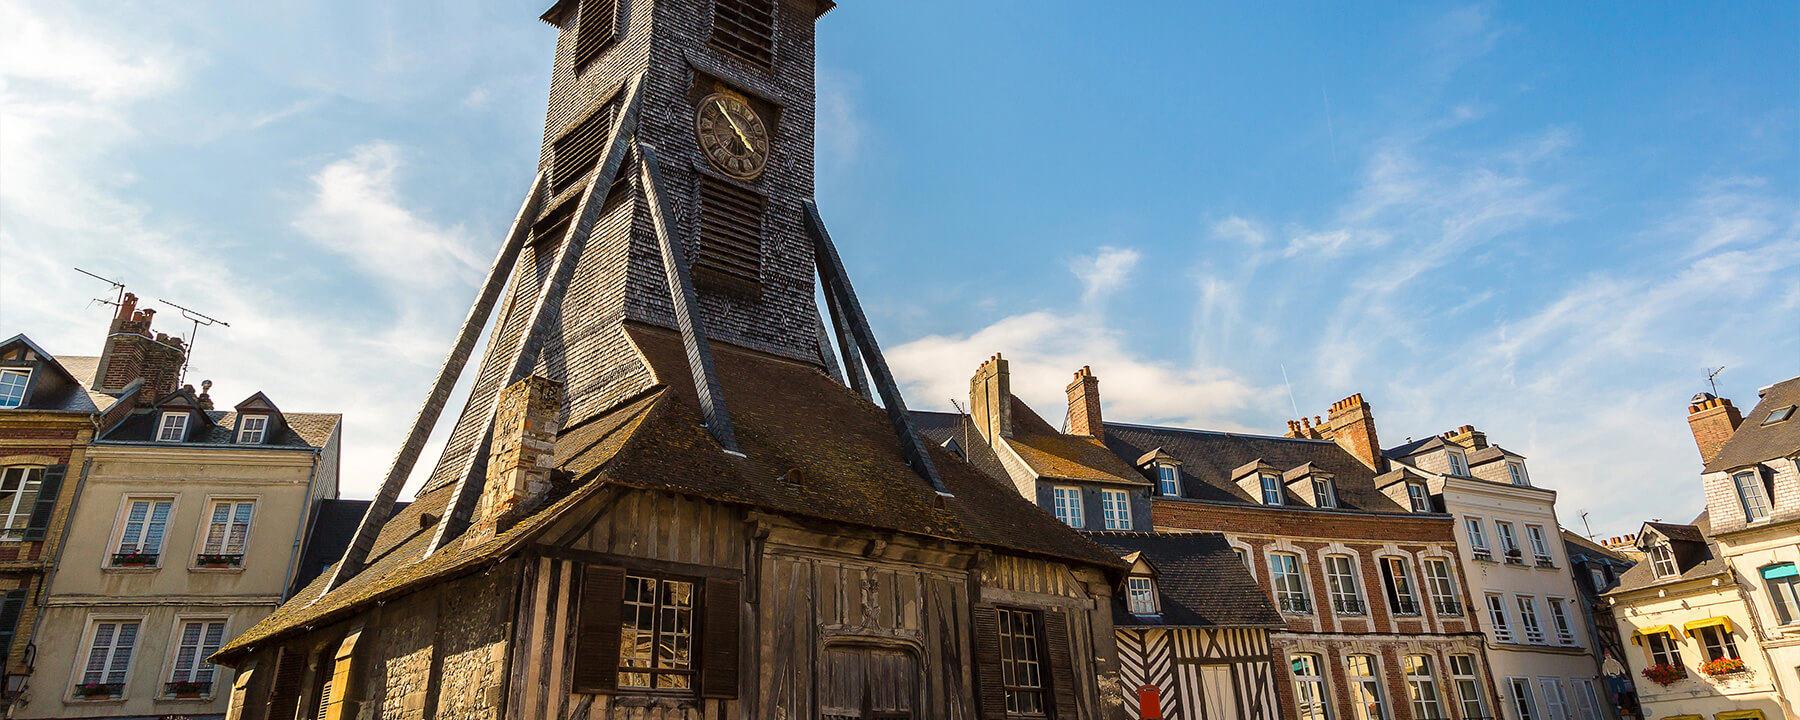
pixel 1200 674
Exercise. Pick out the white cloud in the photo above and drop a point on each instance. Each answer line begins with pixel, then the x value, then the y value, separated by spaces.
pixel 356 212
pixel 1241 230
pixel 838 130
pixel 1103 272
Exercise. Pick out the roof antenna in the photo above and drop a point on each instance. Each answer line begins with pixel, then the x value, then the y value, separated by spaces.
pixel 118 289
pixel 962 425
pixel 1584 523
pixel 1290 389
pixel 199 319
pixel 1710 374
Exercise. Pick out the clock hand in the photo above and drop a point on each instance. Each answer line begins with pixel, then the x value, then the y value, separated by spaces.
pixel 745 139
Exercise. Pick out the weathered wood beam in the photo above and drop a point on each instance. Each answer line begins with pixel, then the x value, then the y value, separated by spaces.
pixel 687 316
pixel 837 284
pixel 383 505
pixel 826 356
pixel 847 343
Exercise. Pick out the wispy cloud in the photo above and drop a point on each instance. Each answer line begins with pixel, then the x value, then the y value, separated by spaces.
pixel 838 127
pixel 1103 272
pixel 356 211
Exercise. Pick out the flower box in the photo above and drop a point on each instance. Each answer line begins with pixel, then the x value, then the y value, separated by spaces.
pixel 185 689
pixel 99 690
pixel 1665 674
pixel 1722 667
pixel 219 560
pixel 134 559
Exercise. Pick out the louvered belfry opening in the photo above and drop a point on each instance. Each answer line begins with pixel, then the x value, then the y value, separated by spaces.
pixel 745 28
pixel 730 252
pixel 579 149
pixel 594 30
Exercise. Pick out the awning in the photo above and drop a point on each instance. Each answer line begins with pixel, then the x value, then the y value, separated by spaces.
pixel 1780 571
pixel 1718 622
pixel 1668 630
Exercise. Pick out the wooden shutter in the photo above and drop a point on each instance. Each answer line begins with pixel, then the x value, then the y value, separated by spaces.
pixel 594 31
pixel 745 28
pixel 577 152
pixel 719 633
pixel 730 253
pixel 284 687
pixel 991 693
pixel 597 629
pixel 11 607
pixel 240 692
pixel 46 502
pixel 1061 658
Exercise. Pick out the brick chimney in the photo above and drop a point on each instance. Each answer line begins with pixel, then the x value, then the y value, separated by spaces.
pixel 1468 437
pixel 990 399
pixel 1084 405
pixel 131 352
pixel 518 468
pixel 1713 420
pixel 1351 423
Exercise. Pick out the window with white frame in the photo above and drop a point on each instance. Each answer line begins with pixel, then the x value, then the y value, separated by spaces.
pixel 1272 491
pixel 1662 649
pixel 18 496
pixel 1309 688
pixel 1528 620
pixel 1067 504
pixel 1516 470
pixel 1168 479
pixel 1324 492
pixel 1783 581
pixel 1244 557
pixel 1459 464
pixel 173 428
pixel 252 428
pixel 1715 642
pixel 1140 595
pixel 1521 697
pixel 1587 701
pixel 1598 577
pixel 1364 678
pixel 1559 618
pixel 227 531
pixel 12 387
pixel 1750 495
pixel 1115 506
pixel 1477 536
pixel 1340 581
pixel 1421 687
pixel 108 659
pixel 1419 497
pixel 1778 414
pixel 1442 587
pixel 1290 590
pixel 195 641
pixel 1662 560
pixel 1509 540
pixel 1496 606
pixel 1540 545
pixel 141 531
pixel 1556 706
pixel 1399 586
pixel 1468 686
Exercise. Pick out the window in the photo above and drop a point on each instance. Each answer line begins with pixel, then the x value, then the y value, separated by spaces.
pixel 1663 650
pixel 595 30
pixel 1516 471
pixel 746 29
pixel 1290 591
pixel 1559 617
pixel 1168 480
pixel 174 427
pixel 1497 617
pixel 1750 493
pixel 1521 697
pixel 577 151
pixel 1309 688
pixel 1340 579
pixel 1540 545
pixel 1365 687
pixel 1556 707
pixel 1528 619
pixel 657 648
pixel 1140 595
pixel 226 531
pixel 1021 662
pixel 1662 561
pixel 1442 587
pixel 1468 686
pixel 1115 505
pixel 1477 537
pixel 140 539
pixel 1784 591
pixel 1459 465
pixel 1272 491
pixel 1244 557
pixel 108 659
pixel 1778 415
pixel 1419 497
pixel 1324 492
pixel 1067 502
pixel 252 428
pixel 195 641
pixel 1399 586
pixel 1715 642
pixel 1421 687
pixel 18 495
pixel 1587 702
pixel 1509 541
pixel 1598 577
pixel 12 387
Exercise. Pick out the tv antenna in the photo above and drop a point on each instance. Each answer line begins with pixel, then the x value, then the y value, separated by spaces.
pixel 200 320
pixel 118 289
pixel 1713 373
pixel 1584 523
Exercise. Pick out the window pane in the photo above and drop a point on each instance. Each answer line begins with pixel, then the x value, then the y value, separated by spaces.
pixel 12 387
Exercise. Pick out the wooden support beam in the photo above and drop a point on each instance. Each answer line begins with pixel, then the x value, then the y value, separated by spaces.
pixel 837 285
pixel 681 296
pixel 846 342
pixel 826 356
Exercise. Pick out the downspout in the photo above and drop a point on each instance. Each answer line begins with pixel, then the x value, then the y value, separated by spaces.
pixel 312 479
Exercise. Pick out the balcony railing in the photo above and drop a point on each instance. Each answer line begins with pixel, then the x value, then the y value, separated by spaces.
pixel 1514 557
pixel 1447 606
pixel 1407 606
pixel 1482 553
pixel 1349 606
pixel 99 690
pixel 219 560
pixel 186 688
pixel 1294 604
pixel 134 559
pixel 1544 561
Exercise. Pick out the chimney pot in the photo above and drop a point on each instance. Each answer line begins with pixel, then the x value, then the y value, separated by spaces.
pixel 1713 420
pixel 1084 405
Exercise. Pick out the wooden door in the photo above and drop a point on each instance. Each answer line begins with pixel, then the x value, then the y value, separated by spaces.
pixel 867 683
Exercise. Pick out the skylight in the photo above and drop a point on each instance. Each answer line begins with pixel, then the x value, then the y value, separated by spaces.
pixel 1778 415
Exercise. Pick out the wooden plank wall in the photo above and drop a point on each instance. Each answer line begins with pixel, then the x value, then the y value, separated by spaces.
pixel 1170 659
pixel 1020 581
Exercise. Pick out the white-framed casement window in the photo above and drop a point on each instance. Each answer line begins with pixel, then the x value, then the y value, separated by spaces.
pixel 1521 697
pixel 173 427
pixel 1401 597
pixel 1168 480
pixel 1363 676
pixel 143 523
pixel 1272 491
pixel 13 382
pixel 1528 620
pixel 1540 545
pixel 111 643
pixel 1662 649
pixel 1750 494
pixel 1419 497
pixel 1556 705
pixel 1140 595
pixel 1115 509
pixel 251 429
pixel 1340 581
pixel 1459 463
pixel 195 640
pixel 1421 687
pixel 1509 541
pixel 1715 642
pixel 1516 471
pixel 1243 556
pixel 1290 588
pixel 1325 492
pixel 1477 537
pixel 1468 686
pixel 1310 697
pixel 227 533
pixel 1066 502
pixel 1496 606
pixel 1783 582
pixel 1587 701
pixel 1662 560
pixel 1559 619
pixel 1441 585
pixel 18 496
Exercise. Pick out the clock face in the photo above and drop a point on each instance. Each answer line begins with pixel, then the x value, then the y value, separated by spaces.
pixel 732 136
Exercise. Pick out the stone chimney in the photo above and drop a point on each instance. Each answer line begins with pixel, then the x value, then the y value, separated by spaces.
pixel 1351 423
pixel 1468 437
pixel 132 353
pixel 1307 428
pixel 1084 405
pixel 1713 420
pixel 990 399
pixel 518 468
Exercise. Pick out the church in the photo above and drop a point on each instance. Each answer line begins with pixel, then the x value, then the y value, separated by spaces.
pixel 668 495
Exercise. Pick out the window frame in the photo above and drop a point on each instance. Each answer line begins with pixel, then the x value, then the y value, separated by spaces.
pixel 1540 545
pixel 203 541
pixel 1271 486
pixel 1009 666
pixel 1395 582
pixel 172 659
pixel 1073 505
pixel 1786 605
pixel 1515 471
pixel 1418 497
pixel 123 518
pixel 1147 592
pixel 1659 553
pixel 1475 528
pixel 695 616
pixel 1365 690
pixel 1560 621
pixel 1468 685
pixel 1168 480
pixel 24 386
pixel 163 425
pixel 1441 587
pixel 1587 700
pixel 1459 463
pixel 1508 535
pixel 1753 490
pixel 91 633
pixel 1498 617
pixel 20 509
pixel 243 432
pixel 1318 706
pixel 1325 493
pixel 1714 637
pixel 1344 601
pixel 1661 649
pixel 1115 500
pixel 1529 621
pixel 1523 702
pixel 1292 600
pixel 1422 686
pixel 1556 703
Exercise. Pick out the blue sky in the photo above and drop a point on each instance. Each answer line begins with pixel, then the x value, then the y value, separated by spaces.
pixel 1545 225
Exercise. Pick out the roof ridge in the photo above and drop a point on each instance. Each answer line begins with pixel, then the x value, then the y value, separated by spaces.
pixel 1227 433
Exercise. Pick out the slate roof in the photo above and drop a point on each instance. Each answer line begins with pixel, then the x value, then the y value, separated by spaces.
pixel 1201 581
pixel 1682 533
pixel 304 430
pixel 1208 457
pixel 1702 558
pixel 1414 447
pixel 1051 453
pixel 332 527
pixel 1755 442
pixel 1590 547
pixel 1491 453
pixel 942 427
pixel 82 367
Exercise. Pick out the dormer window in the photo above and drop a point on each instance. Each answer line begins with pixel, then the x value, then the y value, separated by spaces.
pixel 1419 497
pixel 1459 464
pixel 1272 493
pixel 1750 495
pixel 173 428
pixel 12 387
pixel 1516 470
pixel 1662 561
pixel 1324 492
pixel 1168 480
pixel 252 429
pixel 1140 595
